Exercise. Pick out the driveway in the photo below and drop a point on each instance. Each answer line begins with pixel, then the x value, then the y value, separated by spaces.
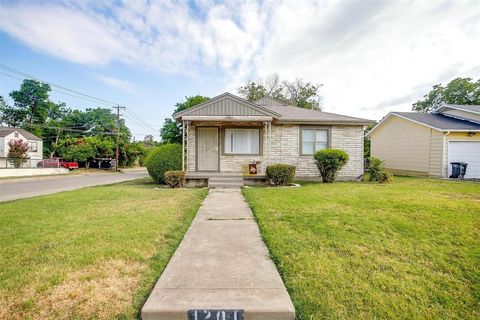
pixel 12 189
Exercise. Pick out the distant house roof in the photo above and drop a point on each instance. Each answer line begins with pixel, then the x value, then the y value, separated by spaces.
pixel 438 122
pixel 4 131
pixel 462 107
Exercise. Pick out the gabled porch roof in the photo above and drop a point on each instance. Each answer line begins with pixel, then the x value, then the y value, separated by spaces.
pixel 227 107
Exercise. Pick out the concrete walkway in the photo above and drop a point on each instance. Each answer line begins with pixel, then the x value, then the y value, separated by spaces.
pixel 222 263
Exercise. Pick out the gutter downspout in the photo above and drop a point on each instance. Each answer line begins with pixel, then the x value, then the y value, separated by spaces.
pixel 443 154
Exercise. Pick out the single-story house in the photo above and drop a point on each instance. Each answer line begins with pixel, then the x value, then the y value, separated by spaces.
pixel 426 143
pixel 226 133
pixel 35 145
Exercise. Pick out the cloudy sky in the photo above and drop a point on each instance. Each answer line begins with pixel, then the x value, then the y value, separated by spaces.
pixel 371 56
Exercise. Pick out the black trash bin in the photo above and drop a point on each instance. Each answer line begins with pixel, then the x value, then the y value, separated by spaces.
pixel 458 170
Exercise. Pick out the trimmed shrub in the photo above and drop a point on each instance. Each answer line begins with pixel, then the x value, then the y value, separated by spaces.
pixel 162 159
pixel 329 162
pixel 175 178
pixel 376 172
pixel 280 174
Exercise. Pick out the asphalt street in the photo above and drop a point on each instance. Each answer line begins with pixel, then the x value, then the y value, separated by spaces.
pixel 13 189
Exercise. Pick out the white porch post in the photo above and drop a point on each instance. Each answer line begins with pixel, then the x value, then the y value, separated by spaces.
pixel 185 129
pixel 269 142
pixel 267 128
pixel 183 145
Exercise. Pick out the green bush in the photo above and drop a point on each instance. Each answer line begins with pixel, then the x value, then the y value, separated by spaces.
pixel 280 174
pixel 162 159
pixel 376 172
pixel 175 178
pixel 329 162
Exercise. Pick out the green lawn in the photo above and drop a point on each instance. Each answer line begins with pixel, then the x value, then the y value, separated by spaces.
pixel 92 253
pixel 406 250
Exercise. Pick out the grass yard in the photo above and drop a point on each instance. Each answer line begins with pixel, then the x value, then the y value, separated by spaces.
pixel 92 253
pixel 406 250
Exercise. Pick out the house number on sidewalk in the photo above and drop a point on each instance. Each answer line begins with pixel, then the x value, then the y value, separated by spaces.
pixel 215 314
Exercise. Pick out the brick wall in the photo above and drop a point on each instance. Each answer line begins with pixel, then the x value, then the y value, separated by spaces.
pixel 284 148
pixel 349 139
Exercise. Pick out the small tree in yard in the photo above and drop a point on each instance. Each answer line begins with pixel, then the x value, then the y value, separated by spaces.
pixel 17 152
pixel 376 172
pixel 329 162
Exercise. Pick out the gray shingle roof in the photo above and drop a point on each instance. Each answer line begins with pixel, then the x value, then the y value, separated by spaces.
pixel 4 131
pixel 296 114
pixel 466 107
pixel 269 101
pixel 440 121
pixel 226 104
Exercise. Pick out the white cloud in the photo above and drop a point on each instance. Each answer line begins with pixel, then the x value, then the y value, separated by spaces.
pixel 118 83
pixel 169 37
pixel 371 56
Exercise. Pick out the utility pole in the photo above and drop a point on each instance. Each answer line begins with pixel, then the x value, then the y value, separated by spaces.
pixel 118 135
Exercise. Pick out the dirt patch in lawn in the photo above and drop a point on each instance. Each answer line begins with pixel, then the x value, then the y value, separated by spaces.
pixel 101 291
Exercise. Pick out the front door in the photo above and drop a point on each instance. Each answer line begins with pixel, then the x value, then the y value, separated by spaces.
pixel 207 149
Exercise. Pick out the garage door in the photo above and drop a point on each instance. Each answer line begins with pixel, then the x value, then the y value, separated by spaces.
pixel 465 151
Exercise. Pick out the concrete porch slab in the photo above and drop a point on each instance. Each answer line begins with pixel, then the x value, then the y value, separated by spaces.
pixel 221 263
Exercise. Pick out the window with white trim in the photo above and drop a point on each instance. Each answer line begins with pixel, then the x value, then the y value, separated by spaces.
pixel 314 140
pixel 242 141
pixel 32 146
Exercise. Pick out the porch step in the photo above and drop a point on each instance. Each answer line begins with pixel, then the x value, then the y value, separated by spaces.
pixel 225 182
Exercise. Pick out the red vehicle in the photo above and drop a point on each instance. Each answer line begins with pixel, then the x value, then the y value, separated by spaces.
pixel 57 163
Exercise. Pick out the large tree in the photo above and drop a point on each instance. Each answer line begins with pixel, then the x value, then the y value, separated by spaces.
pixel 32 99
pixel 299 93
pixel 171 132
pixel 9 115
pixel 457 91
pixel 62 128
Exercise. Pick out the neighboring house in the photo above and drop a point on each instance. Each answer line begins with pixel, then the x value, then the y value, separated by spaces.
pixel 425 143
pixel 226 133
pixel 35 145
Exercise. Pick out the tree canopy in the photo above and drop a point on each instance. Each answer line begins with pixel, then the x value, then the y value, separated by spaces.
pixel 78 135
pixel 171 132
pixel 457 91
pixel 299 93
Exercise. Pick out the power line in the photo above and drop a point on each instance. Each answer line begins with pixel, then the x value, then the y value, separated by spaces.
pixel 56 85
pixel 76 94
pixel 140 119
pixel 62 92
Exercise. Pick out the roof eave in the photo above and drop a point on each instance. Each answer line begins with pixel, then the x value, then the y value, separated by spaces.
pixel 330 122
pixel 455 107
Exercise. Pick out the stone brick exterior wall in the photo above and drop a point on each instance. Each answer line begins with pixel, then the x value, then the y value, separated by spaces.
pixel 285 144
